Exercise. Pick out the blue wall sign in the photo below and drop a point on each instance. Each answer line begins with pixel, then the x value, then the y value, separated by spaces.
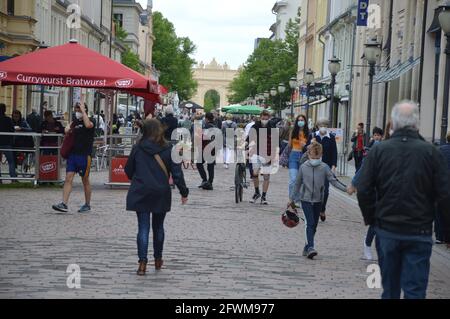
pixel 363 13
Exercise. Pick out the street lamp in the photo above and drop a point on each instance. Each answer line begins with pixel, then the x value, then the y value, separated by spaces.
pixel 281 90
pixel 266 96
pixel 372 52
pixel 309 78
pixel 293 85
pixel 273 93
pixel 444 20
pixel 334 67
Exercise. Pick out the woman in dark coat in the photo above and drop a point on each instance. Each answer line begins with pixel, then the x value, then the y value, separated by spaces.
pixel 150 192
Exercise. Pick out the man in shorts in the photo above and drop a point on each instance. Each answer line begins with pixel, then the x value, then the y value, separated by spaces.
pixel 79 160
pixel 261 155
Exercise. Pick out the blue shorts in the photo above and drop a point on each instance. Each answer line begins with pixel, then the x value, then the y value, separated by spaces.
pixel 80 164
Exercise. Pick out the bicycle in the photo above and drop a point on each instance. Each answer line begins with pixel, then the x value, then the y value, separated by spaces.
pixel 240 182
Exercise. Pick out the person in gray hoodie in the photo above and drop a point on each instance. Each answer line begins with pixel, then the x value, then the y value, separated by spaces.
pixel 310 188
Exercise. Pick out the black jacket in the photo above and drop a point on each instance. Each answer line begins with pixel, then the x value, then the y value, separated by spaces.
pixel 445 149
pixel 401 181
pixel 150 190
pixel 329 145
pixel 170 124
pixel 6 126
pixel 262 146
pixel 35 121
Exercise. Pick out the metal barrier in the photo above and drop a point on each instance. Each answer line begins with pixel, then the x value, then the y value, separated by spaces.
pixel 119 147
pixel 36 150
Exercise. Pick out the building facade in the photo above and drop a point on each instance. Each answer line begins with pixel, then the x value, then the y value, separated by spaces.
pixel 17 37
pixel 284 11
pixel 411 65
pixel 45 23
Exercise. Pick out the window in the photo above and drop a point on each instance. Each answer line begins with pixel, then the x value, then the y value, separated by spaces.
pixel 118 18
pixel 10 7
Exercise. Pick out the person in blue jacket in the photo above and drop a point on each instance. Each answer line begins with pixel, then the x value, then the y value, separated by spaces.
pixel 149 166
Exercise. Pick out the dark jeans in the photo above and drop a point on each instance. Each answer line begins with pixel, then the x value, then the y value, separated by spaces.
pixel 144 231
pixel 358 160
pixel 201 170
pixel 312 214
pixel 438 226
pixel 370 236
pixel 405 264
pixel 11 161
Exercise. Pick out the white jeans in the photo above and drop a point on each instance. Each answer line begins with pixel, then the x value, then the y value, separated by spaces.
pixel 228 155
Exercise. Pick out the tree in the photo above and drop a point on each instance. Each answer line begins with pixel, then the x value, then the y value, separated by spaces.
pixel 212 100
pixel 172 57
pixel 273 62
pixel 129 58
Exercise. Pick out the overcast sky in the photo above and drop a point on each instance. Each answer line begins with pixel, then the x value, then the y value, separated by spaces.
pixel 221 29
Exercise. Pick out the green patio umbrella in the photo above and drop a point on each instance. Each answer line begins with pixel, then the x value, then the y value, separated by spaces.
pixel 230 107
pixel 245 109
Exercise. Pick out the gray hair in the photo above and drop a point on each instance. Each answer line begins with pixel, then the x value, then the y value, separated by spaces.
pixel 405 114
pixel 169 110
pixel 323 122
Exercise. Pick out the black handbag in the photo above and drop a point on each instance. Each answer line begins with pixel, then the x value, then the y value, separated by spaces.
pixel 350 156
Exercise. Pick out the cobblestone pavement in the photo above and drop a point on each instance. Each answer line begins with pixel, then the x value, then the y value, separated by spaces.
pixel 214 248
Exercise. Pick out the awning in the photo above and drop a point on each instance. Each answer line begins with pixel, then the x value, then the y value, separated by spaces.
pixel 73 65
pixel 396 71
pixel 163 90
pixel 326 99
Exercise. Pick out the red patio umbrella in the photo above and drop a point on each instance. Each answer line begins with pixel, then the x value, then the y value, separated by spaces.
pixel 74 65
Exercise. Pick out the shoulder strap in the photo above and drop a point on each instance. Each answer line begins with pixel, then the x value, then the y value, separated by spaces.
pixel 161 164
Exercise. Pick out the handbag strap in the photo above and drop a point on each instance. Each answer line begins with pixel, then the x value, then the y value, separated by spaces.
pixel 161 164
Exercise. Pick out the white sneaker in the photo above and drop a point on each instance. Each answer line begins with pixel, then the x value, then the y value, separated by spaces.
pixel 225 166
pixel 367 252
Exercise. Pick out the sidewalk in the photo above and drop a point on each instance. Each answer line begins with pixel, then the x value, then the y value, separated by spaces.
pixel 214 248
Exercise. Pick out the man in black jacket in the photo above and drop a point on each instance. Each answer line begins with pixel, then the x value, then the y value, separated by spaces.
pixel 6 142
pixel 170 123
pixel 209 131
pixel 401 181
pixel 34 120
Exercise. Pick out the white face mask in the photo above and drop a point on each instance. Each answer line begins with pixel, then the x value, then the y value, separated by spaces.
pixel 264 122
pixel 315 162
pixel 79 115
pixel 323 130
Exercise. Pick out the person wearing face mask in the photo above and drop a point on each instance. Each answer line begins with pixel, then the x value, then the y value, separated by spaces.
pixel 79 160
pixel 261 155
pixel 329 157
pixel 297 142
pixel 359 145
pixel 309 187
pixel 228 128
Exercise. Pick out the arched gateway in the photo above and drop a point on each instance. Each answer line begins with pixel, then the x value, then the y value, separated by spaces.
pixel 213 77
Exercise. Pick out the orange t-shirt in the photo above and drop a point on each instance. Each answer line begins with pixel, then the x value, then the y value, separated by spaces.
pixel 300 142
